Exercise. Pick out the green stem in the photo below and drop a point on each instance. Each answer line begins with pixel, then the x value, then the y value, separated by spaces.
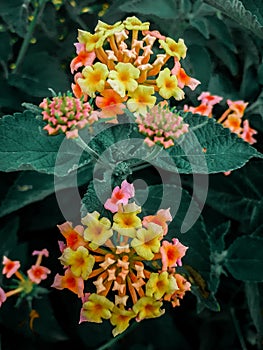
pixel 110 343
pixel 238 330
pixel 37 12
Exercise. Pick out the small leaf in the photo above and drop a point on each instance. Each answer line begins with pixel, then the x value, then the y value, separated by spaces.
pixel 25 146
pixel 207 148
pixel 254 294
pixel 245 260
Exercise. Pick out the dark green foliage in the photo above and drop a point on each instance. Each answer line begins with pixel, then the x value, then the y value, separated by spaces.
pixel 40 174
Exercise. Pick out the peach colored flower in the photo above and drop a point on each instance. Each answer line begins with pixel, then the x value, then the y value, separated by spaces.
pixel 69 281
pixel 37 273
pixel 172 253
pixel 120 195
pixel 96 308
pixel 161 218
pixel 84 58
pixel 74 236
pixel 10 267
pixel 147 307
pixel 248 132
pixel 2 296
pixel 110 102
pixel 207 98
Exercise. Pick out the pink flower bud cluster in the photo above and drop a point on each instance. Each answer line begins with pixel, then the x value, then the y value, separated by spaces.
pixel 161 125
pixel 66 114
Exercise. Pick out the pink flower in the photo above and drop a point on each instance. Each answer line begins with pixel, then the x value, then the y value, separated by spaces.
pixel 207 98
pixel 119 196
pixel 10 267
pixel 2 296
pixel 41 252
pixel 172 253
pixel 38 273
pixel 161 218
pixel 248 133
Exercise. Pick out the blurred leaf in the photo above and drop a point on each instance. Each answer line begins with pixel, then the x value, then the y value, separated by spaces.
pixel 201 25
pixel 25 146
pixel 254 294
pixel 46 326
pixel 15 14
pixel 226 56
pixel 244 259
pixel 236 11
pixel 5 46
pixel 239 195
pixel 198 64
pixel 162 8
pixel 217 255
pixel 34 80
pixel 207 148
pixel 30 187
pixel 220 31
pixel 8 235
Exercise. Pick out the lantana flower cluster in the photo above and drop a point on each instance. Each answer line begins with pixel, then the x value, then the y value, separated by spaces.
pixel 126 62
pixel 232 118
pixel 66 114
pixel 124 268
pixel 161 126
pixel 25 286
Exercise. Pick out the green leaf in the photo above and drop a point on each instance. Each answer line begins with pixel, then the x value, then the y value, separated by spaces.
pixel 15 14
pixel 237 11
pixel 25 146
pixel 198 64
pixel 5 46
pixel 220 31
pixel 254 294
pixel 207 148
pixel 239 195
pixel 162 8
pixel 47 326
pixel 197 259
pixel 217 255
pixel 244 259
pixel 36 81
pixel 8 237
pixel 226 56
pixel 30 187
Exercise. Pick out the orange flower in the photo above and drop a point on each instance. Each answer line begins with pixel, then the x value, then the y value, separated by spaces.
pixel 248 133
pixel 233 122
pixel 74 236
pixel 69 281
pixel 84 58
pixel 111 103
pixel 10 267
pixel 172 253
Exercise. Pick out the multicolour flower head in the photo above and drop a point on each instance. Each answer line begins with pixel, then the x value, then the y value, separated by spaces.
pixel 127 61
pixel 232 118
pixel 66 114
pixel 26 286
pixel 122 269
pixel 161 126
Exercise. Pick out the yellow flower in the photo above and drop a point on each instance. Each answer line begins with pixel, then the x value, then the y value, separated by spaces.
pixel 120 318
pixel 98 231
pixel 159 284
pixel 96 308
pixel 147 307
pixel 147 241
pixel 109 29
pixel 127 221
pixel 141 99
pixel 172 48
pixel 133 23
pixel 94 79
pixel 122 79
pixel 91 41
pixel 167 84
pixel 80 261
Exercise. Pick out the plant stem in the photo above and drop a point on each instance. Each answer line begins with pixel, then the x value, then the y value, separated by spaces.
pixel 37 12
pixel 238 330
